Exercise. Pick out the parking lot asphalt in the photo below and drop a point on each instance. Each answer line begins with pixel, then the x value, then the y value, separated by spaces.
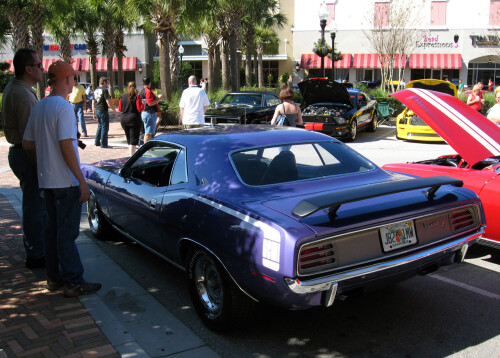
pixel 122 319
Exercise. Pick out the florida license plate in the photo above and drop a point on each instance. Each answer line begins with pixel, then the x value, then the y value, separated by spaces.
pixel 398 235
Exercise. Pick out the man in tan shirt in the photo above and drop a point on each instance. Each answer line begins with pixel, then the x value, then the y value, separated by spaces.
pixel 18 99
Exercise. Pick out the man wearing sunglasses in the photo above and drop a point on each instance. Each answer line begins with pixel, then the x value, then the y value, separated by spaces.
pixel 18 99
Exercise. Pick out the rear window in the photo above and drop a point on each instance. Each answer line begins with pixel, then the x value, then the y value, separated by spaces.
pixel 293 162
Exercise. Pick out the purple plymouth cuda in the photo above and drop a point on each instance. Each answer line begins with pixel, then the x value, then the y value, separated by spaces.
pixel 278 215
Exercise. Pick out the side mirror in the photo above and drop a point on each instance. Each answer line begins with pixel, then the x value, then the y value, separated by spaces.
pixel 125 172
pixel 216 104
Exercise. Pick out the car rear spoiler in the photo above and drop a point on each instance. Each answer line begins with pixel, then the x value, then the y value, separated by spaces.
pixel 334 200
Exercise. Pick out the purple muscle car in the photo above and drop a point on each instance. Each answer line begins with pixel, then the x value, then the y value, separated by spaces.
pixel 278 215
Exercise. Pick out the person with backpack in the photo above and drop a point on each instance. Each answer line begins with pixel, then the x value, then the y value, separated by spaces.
pixel 288 108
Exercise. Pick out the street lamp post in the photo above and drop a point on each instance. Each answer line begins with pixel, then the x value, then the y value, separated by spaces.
pixel 333 33
pixel 181 52
pixel 323 16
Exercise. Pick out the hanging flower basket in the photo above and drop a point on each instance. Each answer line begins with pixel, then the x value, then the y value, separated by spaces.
pixel 337 56
pixel 321 48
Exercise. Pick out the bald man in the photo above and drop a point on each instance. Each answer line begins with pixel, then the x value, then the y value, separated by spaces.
pixel 194 102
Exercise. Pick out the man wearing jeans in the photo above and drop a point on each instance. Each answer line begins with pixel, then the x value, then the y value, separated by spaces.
pixel 78 99
pixel 50 141
pixel 100 105
pixel 18 99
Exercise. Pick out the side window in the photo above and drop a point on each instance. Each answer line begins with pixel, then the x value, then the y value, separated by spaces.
pixel 179 173
pixel 155 165
pixel 271 100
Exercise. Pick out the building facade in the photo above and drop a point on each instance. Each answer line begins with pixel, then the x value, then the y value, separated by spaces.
pixel 457 40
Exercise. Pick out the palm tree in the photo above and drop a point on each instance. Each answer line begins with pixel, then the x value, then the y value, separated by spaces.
pixel 263 37
pixel 162 17
pixel 88 23
pixel 16 13
pixel 263 13
pixel 38 14
pixel 61 24
pixel 230 13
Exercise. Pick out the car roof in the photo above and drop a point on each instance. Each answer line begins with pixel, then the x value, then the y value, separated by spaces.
pixel 252 92
pixel 236 137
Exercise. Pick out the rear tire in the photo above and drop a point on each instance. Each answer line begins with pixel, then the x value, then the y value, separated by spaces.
pixel 218 301
pixel 99 225
pixel 372 127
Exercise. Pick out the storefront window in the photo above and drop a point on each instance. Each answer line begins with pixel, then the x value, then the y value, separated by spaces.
pixel 483 72
pixel 271 68
pixel 197 69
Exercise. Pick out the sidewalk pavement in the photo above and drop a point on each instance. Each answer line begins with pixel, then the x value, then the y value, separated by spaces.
pixel 122 319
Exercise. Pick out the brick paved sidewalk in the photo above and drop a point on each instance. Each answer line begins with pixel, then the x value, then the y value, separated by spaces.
pixel 35 322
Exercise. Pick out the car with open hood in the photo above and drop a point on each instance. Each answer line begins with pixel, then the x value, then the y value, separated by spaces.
pixel 244 107
pixel 329 107
pixel 409 125
pixel 476 141
pixel 295 218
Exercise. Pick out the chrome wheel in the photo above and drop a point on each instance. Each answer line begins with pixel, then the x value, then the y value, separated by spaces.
pixel 93 214
pixel 209 285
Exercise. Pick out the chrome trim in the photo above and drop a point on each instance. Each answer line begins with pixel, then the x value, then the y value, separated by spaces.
pixel 378 226
pixel 324 283
pixel 490 243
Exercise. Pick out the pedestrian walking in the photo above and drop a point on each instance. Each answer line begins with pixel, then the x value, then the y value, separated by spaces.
pixel 149 114
pixel 78 99
pixel 131 107
pixel 50 140
pixel 17 102
pixel 100 108
pixel 193 105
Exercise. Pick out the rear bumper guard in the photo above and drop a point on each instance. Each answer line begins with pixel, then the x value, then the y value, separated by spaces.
pixel 330 283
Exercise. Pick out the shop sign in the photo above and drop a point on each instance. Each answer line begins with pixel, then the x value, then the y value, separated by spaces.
pixel 56 47
pixel 434 42
pixel 486 40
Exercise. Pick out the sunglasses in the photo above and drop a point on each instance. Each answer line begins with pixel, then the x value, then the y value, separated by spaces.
pixel 39 65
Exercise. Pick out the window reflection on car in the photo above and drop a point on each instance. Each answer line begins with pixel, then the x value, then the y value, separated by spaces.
pixel 287 163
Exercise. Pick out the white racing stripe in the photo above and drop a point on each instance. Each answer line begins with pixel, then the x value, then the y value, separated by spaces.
pixel 466 287
pixel 457 117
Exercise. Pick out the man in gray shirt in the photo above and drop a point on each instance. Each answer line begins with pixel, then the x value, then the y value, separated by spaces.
pixel 18 99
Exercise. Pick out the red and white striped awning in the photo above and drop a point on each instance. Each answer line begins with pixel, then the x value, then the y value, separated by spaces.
pixel 311 60
pixel 46 62
pixel 436 60
pixel 372 60
pixel 129 64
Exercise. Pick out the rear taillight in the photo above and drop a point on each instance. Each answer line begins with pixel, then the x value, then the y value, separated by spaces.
pixel 461 219
pixel 317 256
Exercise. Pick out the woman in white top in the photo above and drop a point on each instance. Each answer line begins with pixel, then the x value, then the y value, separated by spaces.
pixel 288 108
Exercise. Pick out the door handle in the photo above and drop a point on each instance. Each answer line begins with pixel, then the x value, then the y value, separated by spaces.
pixel 152 204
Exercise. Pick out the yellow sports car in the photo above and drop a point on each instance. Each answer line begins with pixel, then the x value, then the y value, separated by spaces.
pixel 409 126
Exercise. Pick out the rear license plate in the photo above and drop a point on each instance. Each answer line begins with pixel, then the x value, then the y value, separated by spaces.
pixel 398 235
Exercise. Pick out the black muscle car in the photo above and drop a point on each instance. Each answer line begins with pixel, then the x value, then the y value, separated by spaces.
pixel 247 107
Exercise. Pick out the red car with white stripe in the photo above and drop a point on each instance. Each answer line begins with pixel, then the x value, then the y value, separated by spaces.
pixel 476 141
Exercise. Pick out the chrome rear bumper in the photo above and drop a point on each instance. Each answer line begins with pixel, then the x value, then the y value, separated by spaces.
pixel 330 283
